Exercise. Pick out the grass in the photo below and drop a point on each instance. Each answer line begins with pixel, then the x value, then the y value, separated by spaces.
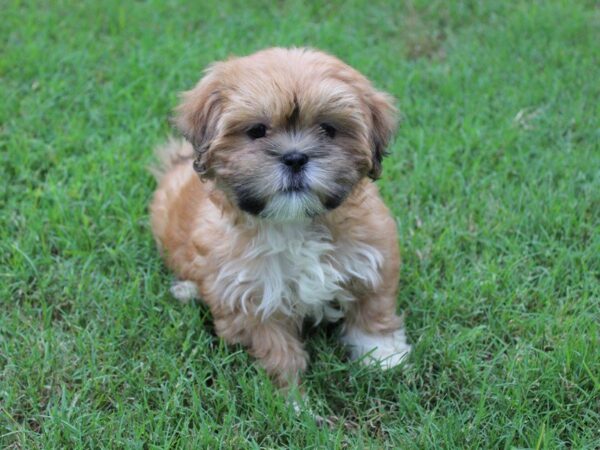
pixel 494 179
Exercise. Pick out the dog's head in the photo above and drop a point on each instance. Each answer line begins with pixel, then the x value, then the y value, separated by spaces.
pixel 286 133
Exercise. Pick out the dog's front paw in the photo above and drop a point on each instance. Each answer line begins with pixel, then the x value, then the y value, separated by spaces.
pixel 385 350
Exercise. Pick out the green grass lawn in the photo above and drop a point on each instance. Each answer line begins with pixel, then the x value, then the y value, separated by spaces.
pixel 494 180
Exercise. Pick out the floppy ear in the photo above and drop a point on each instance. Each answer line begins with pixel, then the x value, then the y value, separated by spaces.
pixel 383 118
pixel 197 117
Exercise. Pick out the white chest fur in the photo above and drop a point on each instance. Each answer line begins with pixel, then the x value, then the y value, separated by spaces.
pixel 296 269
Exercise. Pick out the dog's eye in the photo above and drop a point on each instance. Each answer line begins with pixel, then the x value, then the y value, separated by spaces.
pixel 328 130
pixel 257 131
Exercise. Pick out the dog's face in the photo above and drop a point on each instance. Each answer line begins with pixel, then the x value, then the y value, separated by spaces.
pixel 286 134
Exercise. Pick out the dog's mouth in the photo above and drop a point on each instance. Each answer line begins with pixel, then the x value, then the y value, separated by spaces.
pixel 295 183
pixel 295 189
pixel 295 203
pixel 293 199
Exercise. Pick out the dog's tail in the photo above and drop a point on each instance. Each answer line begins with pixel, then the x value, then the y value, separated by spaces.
pixel 172 169
pixel 173 152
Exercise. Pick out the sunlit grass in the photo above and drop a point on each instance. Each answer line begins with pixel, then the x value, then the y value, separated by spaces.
pixel 494 179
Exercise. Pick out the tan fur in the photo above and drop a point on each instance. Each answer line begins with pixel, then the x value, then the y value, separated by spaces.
pixel 196 221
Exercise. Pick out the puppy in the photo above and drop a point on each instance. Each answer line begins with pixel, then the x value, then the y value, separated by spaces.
pixel 267 210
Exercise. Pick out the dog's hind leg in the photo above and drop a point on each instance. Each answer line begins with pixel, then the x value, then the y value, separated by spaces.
pixel 184 291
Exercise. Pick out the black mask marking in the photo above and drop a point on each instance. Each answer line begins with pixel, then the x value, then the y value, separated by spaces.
pixel 248 202
pixel 295 115
pixel 334 200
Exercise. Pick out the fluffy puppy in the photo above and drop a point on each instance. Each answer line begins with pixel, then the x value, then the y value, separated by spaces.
pixel 267 210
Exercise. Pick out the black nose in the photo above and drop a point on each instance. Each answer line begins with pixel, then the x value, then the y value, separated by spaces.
pixel 295 160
